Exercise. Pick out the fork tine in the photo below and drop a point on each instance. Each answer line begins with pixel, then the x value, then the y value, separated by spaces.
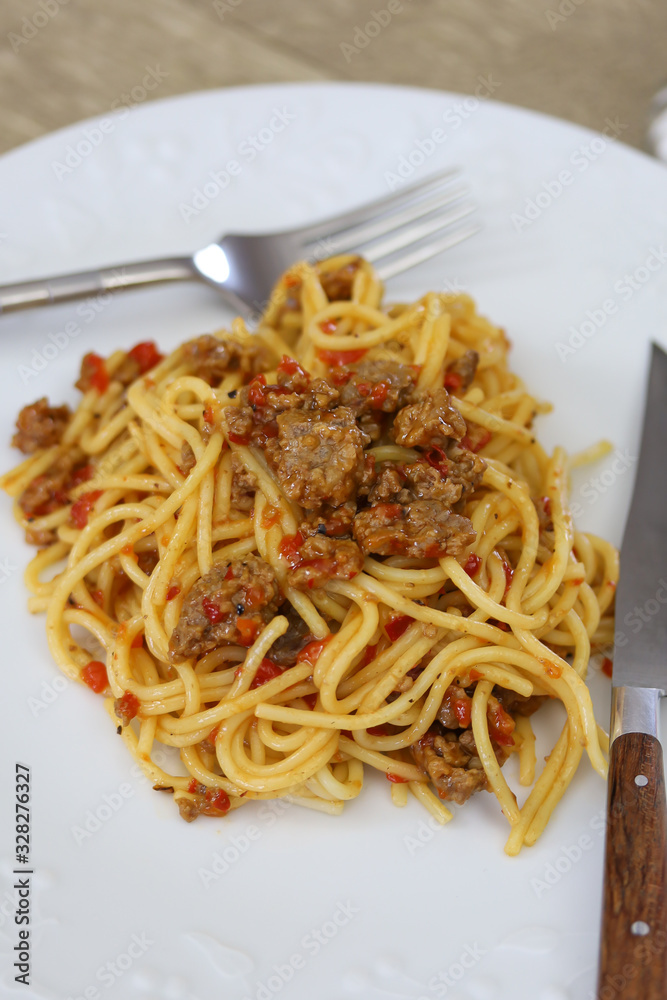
pixel 332 227
pixel 409 235
pixel 418 255
pixel 357 236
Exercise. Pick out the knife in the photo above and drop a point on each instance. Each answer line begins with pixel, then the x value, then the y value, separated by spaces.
pixel 633 948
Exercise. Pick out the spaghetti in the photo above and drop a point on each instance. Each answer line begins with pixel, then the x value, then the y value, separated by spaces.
pixel 329 545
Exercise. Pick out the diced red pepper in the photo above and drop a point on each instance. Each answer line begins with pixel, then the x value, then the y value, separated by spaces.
pixel 211 610
pixel 607 667
pixel 289 550
pixel 546 504
pixel 239 438
pixel 254 596
pixel 146 355
pixel 266 671
pixel 378 731
pixel 460 705
pixel 379 394
pixel 509 575
pixel 99 378
pixel 127 706
pixel 311 700
pixel 436 457
pixel 501 725
pixel 328 326
pixel 173 592
pixel 369 654
pixel 472 564
pixel 138 641
pixel 80 475
pixel 248 629
pixel 340 376
pixel 337 358
pixel 364 388
pixel 311 653
pixel 395 627
pixel 82 507
pixel 484 439
pixel 288 366
pixel 94 674
pixel 98 597
pixel 270 516
pixel 453 381
pixel 218 802
pixel 255 394
pixel 396 778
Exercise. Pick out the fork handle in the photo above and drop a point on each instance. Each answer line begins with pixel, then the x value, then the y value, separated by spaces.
pixel 83 284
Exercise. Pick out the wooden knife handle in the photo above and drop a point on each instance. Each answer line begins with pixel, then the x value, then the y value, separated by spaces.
pixel 633 950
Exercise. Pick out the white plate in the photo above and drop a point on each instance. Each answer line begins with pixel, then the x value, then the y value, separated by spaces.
pixel 400 910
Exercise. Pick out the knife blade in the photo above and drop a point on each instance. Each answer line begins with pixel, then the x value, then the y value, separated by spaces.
pixel 633 946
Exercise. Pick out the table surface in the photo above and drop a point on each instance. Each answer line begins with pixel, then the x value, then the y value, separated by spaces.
pixel 584 60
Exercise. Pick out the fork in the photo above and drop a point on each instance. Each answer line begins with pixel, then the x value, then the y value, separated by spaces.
pixel 395 233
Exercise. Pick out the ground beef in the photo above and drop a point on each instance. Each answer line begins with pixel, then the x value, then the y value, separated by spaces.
pixel 40 426
pixel 323 559
pixel 461 372
pixel 48 492
pixel 244 485
pixel 519 704
pixel 383 386
pixel 464 469
pixel 40 536
pixel 148 560
pixel 455 772
pixel 320 456
pixel 254 419
pixel 415 481
pixel 206 802
pixel 287 647
pixel 431 421
pixel 243 591
pixel 332 521
pixel 187 461
pixel 337 284
pixel 421 529
pixel 211 358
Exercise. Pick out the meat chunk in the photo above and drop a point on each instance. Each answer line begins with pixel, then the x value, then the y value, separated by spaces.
pixel 383 386
pixel 461 372
pixel 415 481
pixel 320 456
pixel 244 485
pixel 287 647
pixel 321 559
pixel 332 521
pixel 421 529
pixel 519 704
pixel 211 358
pixel 228 605
pixel 455 772
pixel 454 712
pixel 40 426
pixel 48 492
pixel 337 284
pixel 431 421
pixel 464 469
pixel 187 461
pixel 253 419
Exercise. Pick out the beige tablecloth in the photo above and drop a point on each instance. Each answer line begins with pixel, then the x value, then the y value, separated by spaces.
pixel 585 60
